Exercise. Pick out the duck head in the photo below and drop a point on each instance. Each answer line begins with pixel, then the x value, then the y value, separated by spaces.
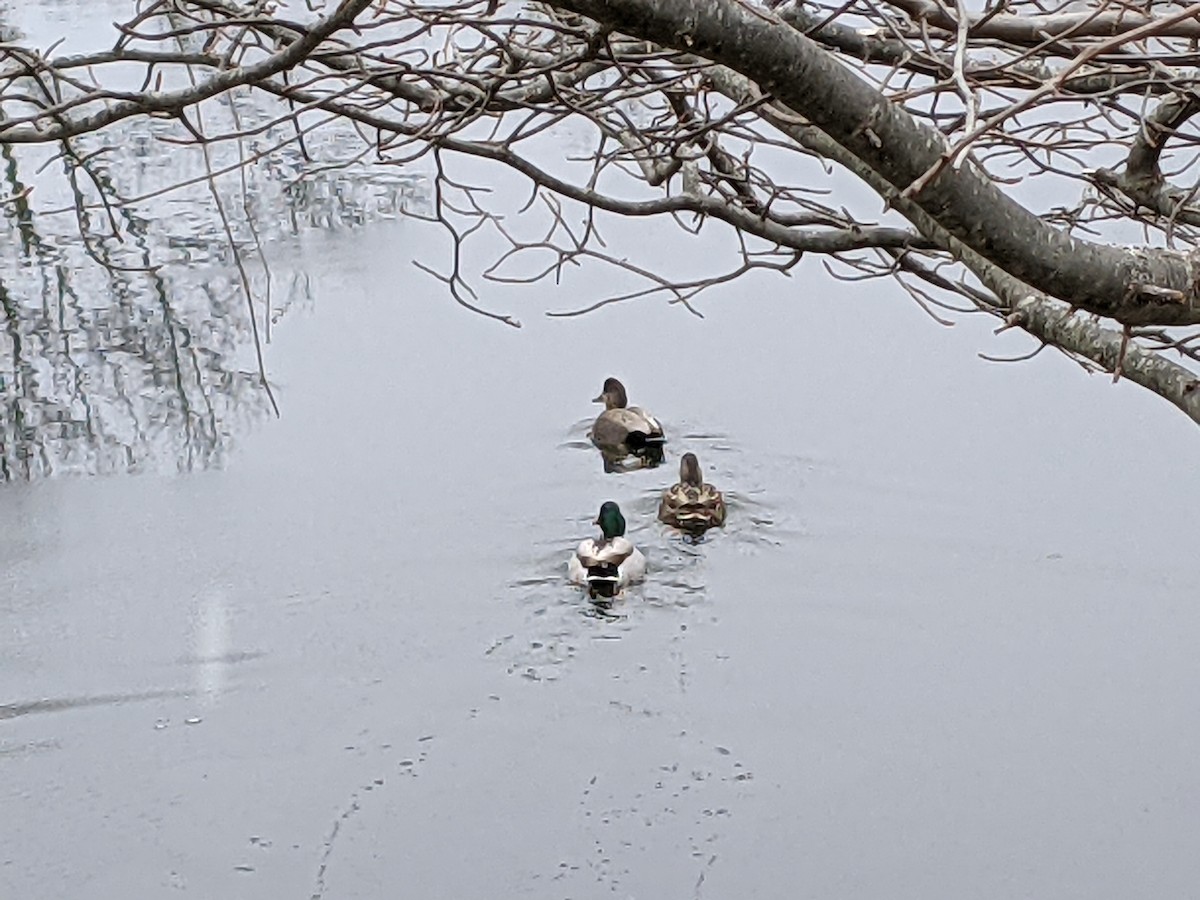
pixel 689 470
pixel 613 396
pixel 610 520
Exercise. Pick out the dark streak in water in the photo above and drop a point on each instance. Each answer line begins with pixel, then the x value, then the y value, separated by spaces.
pixel 29 748
pixel 233 657
pixel 60 704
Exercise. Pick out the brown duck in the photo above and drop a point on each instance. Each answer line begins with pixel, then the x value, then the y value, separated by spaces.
pixel 691 505
pixel 623 430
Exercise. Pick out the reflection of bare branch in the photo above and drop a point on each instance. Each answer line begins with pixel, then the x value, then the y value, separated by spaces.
pixel 196 129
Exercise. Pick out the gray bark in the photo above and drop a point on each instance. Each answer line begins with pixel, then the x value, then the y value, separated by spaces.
pixel 1022 306
pixel 1133 286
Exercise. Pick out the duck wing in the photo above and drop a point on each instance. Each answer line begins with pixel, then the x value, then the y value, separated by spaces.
pixel 689 507
pixel 593 553
pixel 647 424
pixel 633 569
pixel 673 498
pixel 611 428
pixel 602 566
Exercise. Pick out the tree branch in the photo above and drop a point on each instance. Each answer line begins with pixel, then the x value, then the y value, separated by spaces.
pixel 1133 287
pixel 151 102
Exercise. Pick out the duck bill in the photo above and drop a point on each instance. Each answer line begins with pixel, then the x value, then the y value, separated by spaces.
pixel 599 399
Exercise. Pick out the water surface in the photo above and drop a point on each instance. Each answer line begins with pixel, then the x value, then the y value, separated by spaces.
pixel 944 648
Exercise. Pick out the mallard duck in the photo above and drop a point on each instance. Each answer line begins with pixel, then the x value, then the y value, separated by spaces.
pixel 605 566
pixel 691 505
pixel 623 430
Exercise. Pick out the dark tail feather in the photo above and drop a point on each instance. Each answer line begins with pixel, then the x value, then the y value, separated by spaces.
pixel 602 580
pixel 648 447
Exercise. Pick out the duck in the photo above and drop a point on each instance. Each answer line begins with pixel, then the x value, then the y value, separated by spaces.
pixel 623 430
pixel 609 564
pixel 691 505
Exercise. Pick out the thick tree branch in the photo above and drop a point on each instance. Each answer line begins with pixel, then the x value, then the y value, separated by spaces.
pixel 1142 179
pixel 1134 287
pixel 721 112
pixel 1018 303
pixel 1037 29
pixel 877 46
pixel 827 240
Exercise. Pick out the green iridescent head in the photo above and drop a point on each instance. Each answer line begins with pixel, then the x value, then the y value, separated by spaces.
pixel 610 520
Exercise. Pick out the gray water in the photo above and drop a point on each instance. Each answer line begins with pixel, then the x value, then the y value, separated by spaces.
pixel 944 648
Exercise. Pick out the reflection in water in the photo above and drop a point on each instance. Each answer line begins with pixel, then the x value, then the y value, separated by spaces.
pixel 60 704
pixel 127 340
pixel 211 639
pixel 621 462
